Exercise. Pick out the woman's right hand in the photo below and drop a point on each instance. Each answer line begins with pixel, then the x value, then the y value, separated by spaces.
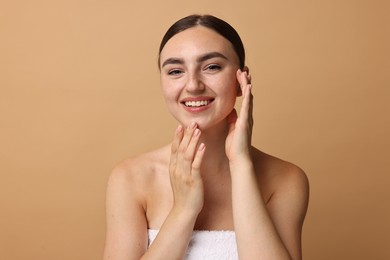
pixel 184 170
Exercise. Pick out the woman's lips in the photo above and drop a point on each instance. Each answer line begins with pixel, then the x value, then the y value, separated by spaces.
pixel 197 104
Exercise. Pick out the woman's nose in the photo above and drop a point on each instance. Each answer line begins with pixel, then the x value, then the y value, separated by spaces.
pixel 194 83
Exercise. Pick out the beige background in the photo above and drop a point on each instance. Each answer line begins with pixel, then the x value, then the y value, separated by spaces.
pixel 80 92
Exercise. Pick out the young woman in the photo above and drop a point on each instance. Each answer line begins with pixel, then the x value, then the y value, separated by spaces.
pixel 209 194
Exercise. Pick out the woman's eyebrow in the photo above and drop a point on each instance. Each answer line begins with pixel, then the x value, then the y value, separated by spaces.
pixel 172 61
pixel 211 55
pixel 202 58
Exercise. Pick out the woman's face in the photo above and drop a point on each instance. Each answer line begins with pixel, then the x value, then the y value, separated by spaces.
pixel 198 76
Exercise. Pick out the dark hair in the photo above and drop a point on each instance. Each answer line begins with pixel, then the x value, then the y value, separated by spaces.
pixel 211 22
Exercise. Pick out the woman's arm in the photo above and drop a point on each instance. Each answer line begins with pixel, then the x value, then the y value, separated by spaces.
pixel 271 231
pixel 126 220
pixel 126 227
pixel 187 187
pixel 261 232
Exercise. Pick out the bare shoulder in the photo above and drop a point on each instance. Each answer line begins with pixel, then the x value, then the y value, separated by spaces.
pixel 281 179
pixel 140 169
pixel 131 183
pixel 287 191
pixel 127 192
pixel 277 171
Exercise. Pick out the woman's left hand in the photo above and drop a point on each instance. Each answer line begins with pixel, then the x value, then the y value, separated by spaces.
pixel 238 141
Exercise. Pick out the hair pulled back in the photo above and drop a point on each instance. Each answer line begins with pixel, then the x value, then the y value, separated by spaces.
pixel 211 22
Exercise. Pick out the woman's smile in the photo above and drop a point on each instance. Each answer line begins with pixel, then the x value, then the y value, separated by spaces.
pixel 196 104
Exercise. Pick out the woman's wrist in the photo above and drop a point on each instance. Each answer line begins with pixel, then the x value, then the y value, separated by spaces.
pixel 184 215
pixel 243 159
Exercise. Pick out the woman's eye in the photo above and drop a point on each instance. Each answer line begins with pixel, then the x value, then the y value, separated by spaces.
pixel 213 67
pixel 174 72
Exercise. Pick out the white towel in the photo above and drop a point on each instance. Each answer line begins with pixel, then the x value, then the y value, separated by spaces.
pixel 208 245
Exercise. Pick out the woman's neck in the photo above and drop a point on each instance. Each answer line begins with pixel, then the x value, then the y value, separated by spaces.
pixel 215 160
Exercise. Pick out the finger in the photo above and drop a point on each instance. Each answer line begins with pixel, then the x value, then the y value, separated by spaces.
pixel 189 130
pixel 250 105
pixel 198 160
pixel 246 112
pixel 175 146
pixel 249 78
pixel 192 146
pixel 243 77
pixel 182 155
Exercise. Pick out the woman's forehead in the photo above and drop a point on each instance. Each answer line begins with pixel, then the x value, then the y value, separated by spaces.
pixel 196 41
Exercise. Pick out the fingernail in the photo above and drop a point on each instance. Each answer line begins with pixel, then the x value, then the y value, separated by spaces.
pixel 202 146
pixel 179 128
pixel 197 132
pixel 193 125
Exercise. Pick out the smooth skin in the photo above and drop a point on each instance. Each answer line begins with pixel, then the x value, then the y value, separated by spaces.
pixel 210 177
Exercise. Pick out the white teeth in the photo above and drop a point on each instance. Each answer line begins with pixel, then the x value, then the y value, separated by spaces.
pixel 196 103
